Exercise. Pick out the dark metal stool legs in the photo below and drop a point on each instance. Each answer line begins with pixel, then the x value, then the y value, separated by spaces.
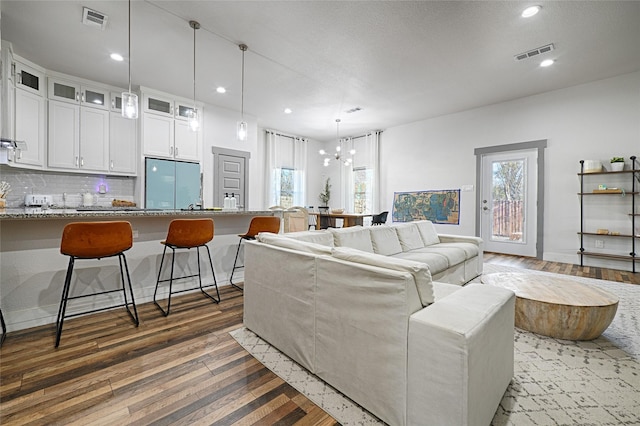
pixel 4 328
pixel 235 266
pixel 67 286
pixel 172 278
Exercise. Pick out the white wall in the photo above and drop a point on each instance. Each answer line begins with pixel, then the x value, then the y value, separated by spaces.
pixel 591 121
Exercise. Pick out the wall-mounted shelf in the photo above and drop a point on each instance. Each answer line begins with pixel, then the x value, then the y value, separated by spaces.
pixel 634 177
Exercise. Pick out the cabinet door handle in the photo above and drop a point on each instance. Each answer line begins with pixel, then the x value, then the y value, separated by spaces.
pixel 77 96
pixel 13 69
pixel 111 164
pixel 82 97
pixel 171 150
pixel 113 103
pixel 176 151
pixel 19 78
pixel 81 161
pixel 76 161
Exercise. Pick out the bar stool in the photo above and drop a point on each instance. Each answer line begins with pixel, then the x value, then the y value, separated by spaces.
pixel 187 234
pixel 95 240
pixel 4 328
pixel 258 224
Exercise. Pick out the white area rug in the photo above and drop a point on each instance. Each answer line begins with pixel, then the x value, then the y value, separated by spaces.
pixel 556 382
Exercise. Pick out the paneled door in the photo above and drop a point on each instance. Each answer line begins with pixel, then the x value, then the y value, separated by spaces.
pixel 508 211
pixel 230 178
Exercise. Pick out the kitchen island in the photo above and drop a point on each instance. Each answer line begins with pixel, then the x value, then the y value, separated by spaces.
pixel 32 269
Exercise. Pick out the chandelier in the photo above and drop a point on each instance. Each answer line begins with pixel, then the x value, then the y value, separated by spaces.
pixel 339 154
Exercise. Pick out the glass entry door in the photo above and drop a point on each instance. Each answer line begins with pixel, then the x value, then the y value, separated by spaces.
pixel 508 212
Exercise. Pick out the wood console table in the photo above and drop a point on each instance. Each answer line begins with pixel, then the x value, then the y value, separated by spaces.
pixel 350 219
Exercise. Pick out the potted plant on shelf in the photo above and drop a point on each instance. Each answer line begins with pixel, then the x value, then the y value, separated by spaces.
pixel 617 164
pixel 325 196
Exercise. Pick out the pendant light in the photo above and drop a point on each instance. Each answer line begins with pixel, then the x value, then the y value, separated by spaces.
pixel 194 123
pixel 242 125
pixel 339 154
pixel 129 100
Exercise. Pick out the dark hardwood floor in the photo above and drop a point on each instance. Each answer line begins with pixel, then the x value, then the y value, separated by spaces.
pixel 182 369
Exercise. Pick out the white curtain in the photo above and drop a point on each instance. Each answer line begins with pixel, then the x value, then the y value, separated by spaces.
pixel 285 152
pixel 272 178
pixel 300 171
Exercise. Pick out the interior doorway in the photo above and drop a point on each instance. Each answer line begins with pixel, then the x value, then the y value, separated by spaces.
pixel 230 175
pixel 510 198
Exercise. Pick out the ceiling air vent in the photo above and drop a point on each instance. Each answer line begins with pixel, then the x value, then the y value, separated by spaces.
pixel 93 18
pixel 534 52
pixel 352 110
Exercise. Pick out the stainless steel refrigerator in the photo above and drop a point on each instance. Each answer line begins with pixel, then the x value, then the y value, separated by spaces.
pixel 171 184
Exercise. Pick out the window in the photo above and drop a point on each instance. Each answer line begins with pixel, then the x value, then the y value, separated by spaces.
pixel 286 188
pixel 362 190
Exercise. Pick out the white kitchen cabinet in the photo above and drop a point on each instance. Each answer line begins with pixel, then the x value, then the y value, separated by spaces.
pixel 94 139
pixel 122 144
pixel 165 128
pixel 158 135
pixel 64 135
pixel 25 118
pixel 78 137
pixel 30 127
pixel 186 145
pixel 78 126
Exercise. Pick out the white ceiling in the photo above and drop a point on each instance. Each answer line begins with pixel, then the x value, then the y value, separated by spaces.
pixel 400 61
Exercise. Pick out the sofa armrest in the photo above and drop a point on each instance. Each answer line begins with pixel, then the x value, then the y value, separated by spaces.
pixel 450 238
pixel 460 357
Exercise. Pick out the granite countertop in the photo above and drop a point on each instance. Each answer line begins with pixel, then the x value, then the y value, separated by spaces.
pixel 38 213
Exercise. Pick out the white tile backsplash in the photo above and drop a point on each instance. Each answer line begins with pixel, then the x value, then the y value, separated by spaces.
pixel 58 184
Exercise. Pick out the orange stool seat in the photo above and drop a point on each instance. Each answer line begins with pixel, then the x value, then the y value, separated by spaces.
pixel 187 234
pixel 257 225
pixel 95 240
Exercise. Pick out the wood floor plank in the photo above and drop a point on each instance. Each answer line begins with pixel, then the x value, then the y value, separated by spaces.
pixel 180 369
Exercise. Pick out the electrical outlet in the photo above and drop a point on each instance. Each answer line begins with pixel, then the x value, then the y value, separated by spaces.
pixel 135 233
pixel 599 243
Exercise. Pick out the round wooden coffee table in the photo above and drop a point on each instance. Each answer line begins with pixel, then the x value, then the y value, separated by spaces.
pixel 557 307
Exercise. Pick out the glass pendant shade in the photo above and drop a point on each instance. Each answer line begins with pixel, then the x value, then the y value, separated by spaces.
pixel 129 105
pixel 242 130
pixel 194 123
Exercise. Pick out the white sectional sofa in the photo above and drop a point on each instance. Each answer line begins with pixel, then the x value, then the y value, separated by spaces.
pixel 376 327
pixel 452 259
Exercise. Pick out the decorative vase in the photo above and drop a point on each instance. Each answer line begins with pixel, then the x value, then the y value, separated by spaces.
pixel 3 203
pixel 617 167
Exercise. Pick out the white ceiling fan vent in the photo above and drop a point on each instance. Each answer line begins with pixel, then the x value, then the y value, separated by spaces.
pixel 93 18
pixel 533 52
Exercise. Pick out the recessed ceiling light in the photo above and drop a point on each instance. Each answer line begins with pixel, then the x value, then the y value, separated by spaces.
pixel 547 62
pixel 530 11
pixel 221 90
pixel 117 57
pixel 287 111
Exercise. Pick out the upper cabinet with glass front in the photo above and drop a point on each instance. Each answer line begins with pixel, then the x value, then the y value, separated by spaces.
pixel 74 92
pixel 29 79
pixel 158 105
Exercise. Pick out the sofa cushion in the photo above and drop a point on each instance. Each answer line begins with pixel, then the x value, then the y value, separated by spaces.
pixel 437 263
pixel 409 236
pixel 385 240
pixel 355 237
pixel 454 255
pixel 279 241
pixel 319 237
pixel 420 271
pixel 427 232
pixel 471 250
